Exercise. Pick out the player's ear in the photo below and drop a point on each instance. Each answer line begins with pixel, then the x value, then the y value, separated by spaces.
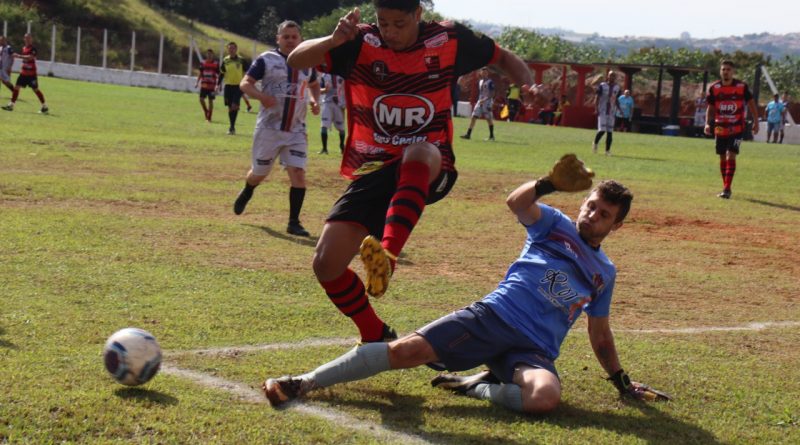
pixel 418 13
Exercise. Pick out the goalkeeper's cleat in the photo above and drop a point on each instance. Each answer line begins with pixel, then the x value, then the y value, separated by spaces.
pixel 9 107
pixel 461 384
pixel 297 229
pixel 725 194
pixel 387 335
pixel 377 265
pixel 285 389
pixel 242 200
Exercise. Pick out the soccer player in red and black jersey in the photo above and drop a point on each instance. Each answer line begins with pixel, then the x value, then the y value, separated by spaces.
pixel 207 80
pixel 399 153
pixel 27 75
pixel 727 99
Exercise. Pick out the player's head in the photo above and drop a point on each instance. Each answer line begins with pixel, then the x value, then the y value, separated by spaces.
pixel 785 96
pixel 232 48
pixel 2 40
pixel 28 38
pixel 603 211
pixel 398 22
pixel 288 36
pixel 484 72
pixel 775 97
pixel 611 76
pixel 209 53
pixel 726 70
pixel 627 92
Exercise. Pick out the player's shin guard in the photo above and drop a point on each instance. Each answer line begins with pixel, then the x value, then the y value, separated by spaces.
pixel 296 197
pixel 347 293
pixel 359 363
pixel 508 395
pixel 406 205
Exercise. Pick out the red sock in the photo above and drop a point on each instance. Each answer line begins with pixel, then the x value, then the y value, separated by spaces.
pixel 729 172
pixel 406 205
pixel 723 169
pixel 14 95
pixel 40 96
pixel 347 293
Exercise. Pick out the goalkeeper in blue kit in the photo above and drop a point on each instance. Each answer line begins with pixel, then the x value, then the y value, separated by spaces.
pixel 516 330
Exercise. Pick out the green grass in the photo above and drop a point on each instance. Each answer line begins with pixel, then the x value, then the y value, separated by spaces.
pixel 115 211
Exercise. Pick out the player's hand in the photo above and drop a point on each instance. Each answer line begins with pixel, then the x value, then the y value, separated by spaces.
pixel 755 127
pixel 529 92
pixel 314 108
pixel 268 101
pixel 347 28
pixel 569 174
pixel 636 390
pixel 707 130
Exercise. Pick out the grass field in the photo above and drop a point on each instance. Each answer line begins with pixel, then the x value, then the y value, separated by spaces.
pixel 115 211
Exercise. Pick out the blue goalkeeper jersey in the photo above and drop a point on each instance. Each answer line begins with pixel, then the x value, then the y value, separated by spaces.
pixel 556 277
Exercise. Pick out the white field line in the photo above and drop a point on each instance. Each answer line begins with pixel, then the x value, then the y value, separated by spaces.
pixel 755 326
pixel 248 394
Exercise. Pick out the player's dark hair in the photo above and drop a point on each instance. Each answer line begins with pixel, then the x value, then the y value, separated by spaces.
pixel 288 24
pixel 615 193
pixel 728 62
pixel 400 5
pixel 232 43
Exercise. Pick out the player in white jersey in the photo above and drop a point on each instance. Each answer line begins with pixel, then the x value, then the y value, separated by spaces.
pixel 281 123
pixel 485 105
pixel 333 104
pixel 606 107
pixel 6 60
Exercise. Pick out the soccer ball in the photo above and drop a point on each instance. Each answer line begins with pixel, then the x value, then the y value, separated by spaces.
pixel 132 356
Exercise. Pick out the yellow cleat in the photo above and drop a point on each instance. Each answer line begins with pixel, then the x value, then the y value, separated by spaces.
pixel 376 263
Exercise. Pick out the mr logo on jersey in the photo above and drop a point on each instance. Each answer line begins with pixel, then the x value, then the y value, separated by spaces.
pixel 400 117
pixel 728 107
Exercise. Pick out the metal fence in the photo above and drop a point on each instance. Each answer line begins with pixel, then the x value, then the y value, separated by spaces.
pixel 140 50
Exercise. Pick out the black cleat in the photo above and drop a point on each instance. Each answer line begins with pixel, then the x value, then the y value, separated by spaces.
pixel 462 384
pixel 284 389
pixel 387 335
pixel 465 136
pixel 44 110
pixel 725 194
pixel 295 228
pixel 231 132
pixel 242 200
pixel 323 152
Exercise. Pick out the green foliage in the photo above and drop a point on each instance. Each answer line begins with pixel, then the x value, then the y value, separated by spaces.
pixel 531 45
pixel 324 25
pixel 786 74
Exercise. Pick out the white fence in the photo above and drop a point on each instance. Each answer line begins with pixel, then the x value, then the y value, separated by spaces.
pixel 141 68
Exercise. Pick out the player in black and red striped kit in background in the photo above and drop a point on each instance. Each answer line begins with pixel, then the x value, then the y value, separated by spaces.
pixel 207 80
pixel 727 100
pixel 399 156
pixel 27 75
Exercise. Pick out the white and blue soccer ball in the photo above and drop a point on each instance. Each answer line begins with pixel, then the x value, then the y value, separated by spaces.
pixel 132 356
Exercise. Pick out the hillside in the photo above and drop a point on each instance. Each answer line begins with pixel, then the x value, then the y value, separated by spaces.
pixel 124 16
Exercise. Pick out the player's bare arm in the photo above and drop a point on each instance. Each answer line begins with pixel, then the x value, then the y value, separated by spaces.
pixel 248 86
pixel 710 114
pixel 315 94
pixel 522 203
pixel 602 340
pixel 753 112
pixel 312 52
pixel 518 71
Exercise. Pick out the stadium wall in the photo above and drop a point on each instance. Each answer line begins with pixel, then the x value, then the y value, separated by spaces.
pixel 173 82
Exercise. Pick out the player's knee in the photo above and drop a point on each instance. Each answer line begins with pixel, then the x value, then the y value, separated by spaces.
pixel 424 152
pixel 410 351
pixel 542 399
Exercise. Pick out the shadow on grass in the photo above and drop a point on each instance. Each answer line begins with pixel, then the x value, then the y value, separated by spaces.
pixel 637 158
pixel 773 204
pixel 310 241
pixel 405 414
pixel 5 343
pixel 141 394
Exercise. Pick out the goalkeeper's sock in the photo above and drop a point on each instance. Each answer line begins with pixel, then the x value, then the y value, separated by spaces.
pixel 406 206
pixel 508 395
pixel 348 295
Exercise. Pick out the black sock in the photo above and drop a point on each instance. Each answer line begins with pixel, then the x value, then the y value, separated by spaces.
pixel 232 119
pixel 341 141
pixel 491 131
pixel 608 141
pixel 324 141
pixel 598 137
pixel 469 132
pixel 296 196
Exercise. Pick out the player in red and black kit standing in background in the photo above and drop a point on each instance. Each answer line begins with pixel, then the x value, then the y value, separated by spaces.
pixel 399 155
pixel 207 79
pixel 727 101
pixel 27 75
